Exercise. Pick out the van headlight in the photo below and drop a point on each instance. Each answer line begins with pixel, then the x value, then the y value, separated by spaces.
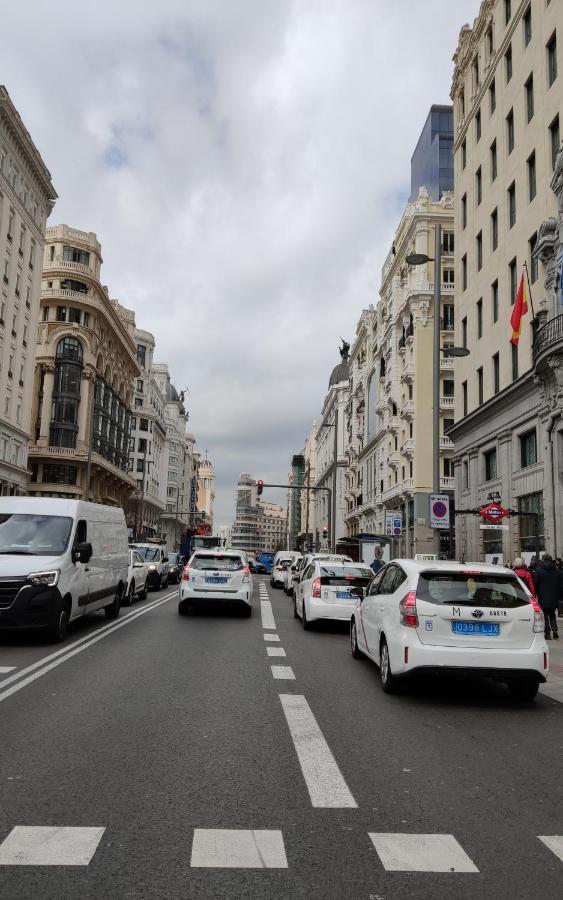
pixel 152 567
pixel 48 579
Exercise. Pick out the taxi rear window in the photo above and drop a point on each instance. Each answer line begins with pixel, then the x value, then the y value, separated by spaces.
pixel 219 563
pixel 471 589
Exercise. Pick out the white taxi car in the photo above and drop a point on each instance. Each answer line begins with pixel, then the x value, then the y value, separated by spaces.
pixel 137 576
pixel 451 617
pixel 281 562
pixel 325 590
pixel 216 575
pixel 289 574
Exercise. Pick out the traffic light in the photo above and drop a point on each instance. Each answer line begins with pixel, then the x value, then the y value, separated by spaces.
pixel 260 485
pixel 325 531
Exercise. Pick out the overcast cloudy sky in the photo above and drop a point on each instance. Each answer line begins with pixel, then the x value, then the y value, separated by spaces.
pixel 244 165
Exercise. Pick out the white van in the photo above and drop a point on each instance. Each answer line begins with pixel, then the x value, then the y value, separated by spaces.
pixel 59 560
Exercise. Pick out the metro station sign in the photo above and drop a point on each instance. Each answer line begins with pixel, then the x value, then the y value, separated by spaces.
pixel 494 512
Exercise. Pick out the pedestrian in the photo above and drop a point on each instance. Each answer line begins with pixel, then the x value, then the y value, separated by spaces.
pixel 377 562
pixel 548 580
pixel 519 568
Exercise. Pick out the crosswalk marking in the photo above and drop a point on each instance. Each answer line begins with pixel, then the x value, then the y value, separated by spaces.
pixel 222 848
pixel 49 846
pixel 271 637
pixel 325 782
pixel 268 620
pixel 275 651
pixel 421 853
pixel 283 673
pixel 554 842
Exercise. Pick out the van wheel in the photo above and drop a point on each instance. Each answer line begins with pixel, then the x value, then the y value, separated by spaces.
pixel 59 629
pixel 112 611
pixel 130 596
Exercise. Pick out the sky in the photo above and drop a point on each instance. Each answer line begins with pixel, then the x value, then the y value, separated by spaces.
pixel 244 165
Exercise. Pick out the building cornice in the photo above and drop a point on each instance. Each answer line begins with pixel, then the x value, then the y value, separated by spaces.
pixel 23 140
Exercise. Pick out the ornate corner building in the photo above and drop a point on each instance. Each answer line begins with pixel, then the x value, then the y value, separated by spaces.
pixel 85 368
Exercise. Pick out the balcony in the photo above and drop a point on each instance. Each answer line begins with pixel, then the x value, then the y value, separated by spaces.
pixel 447 402
pixel 446 363
pixel 408 372
pixel 393 423
pixel 548 337
pixel 445 288
pixel 408 447
pixel 393 459
pixel 59 263
pixel 392 492
pixel 447 483
pixel 407 409
pixel 446 443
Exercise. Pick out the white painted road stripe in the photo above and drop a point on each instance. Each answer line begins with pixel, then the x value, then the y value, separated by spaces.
pixel 323 778
pixel 554 842
pixel 103 633
pixel 268 620
pixel 222 848
pixel 108 627
pixel 283 673
pixel 421 853
pixel 5 669
pixel 49 846
pixel 271 637
pixel 275 651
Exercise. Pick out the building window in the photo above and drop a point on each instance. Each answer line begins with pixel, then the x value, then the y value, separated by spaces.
pixel 554 140
pixel 490 41
pixel 45 313
pixel 448 388
pixel 448 317
pixel 528 449
pixel 529 89
pixel 140 385
pixel 464 154
pixel 494 229
pixel 59 474
pixel 496 373
pixel 138 401
pixel 464 332
pixel 479 318
pixel 512 280
pixel 533 259
pixel 511 194
pixel 494 300
pixel 140 465
pixel 507 11
pixel 531 165
pixel 74 315
pixel 464 211
pixel 527 26
pixel 479 250
pixel 478 126
pixel 70 284
pixel 492 97
pixel 552 59
pixel 514 360
pixel 61 313
pixel 480 385
pixel 141 355
pixel 494 163
pixel 73 254
pixel 531 526
pixel 478 185
pixel 510 132
pixel 143 424
pixel 464 271
pixel 448 276
pixel 448 242
pixel 508 63
pixel 465 482
pixel 490 459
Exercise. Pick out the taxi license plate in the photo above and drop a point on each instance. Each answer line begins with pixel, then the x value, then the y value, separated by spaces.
pixel 344 595
pixel 214 580
pixel 487 629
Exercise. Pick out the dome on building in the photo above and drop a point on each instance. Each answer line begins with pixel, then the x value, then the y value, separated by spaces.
pixel 340 373
pixel 171 393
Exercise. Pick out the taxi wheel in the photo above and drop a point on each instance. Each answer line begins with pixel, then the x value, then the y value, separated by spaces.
pixel 356 652
pixel 183 608
pixel 304 620
pixel 524 689
pixel 295 613
pixel 143 593
pixel 388 680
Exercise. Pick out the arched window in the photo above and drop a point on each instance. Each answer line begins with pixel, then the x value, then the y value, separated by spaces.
pixel 66 393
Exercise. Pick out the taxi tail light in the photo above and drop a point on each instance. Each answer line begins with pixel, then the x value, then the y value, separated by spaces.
pixel 539 623
pixel 407 610
pixel 186 573
pixel 316 586
pixel 246 574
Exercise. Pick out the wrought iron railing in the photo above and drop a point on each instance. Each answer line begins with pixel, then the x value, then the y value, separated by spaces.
pixel 549 334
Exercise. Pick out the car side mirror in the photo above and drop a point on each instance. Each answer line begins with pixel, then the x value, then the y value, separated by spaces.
pixel 358 592
pixel 164 559
pixel 82 552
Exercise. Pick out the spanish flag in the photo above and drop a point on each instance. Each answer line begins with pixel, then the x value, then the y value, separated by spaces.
pixel 520 308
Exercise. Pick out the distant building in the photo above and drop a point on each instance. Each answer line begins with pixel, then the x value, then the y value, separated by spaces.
pixel 259 525
pixel 272 527
pixel 309 498
pixel 432 163
pixel 295 478
pixel 331 460
pixel 27 197
pixel 206 491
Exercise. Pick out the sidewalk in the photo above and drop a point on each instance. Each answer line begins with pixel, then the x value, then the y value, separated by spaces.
pixel 554 686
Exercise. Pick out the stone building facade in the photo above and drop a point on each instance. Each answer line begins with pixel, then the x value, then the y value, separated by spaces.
pixel 26 199
pixel 85 364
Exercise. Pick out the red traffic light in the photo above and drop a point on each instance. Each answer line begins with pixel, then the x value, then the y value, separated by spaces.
pixel 260 486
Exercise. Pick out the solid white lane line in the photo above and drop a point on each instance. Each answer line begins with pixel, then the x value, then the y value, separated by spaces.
pixel 5 669
pixel 108 627
pixel 223 848
pixel 553 842
pixel 275 651
pixel 49 846
pixel 103 633
pixel 271 637
pixel 268 620
pixel 421 853
pixel 325 782
pixel 283 673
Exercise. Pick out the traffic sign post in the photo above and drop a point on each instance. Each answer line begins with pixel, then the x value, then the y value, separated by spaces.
pixel 393 523
pixel 439 511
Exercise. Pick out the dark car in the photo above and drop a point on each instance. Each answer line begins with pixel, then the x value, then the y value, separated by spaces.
pixel 175 567
pixel 257 568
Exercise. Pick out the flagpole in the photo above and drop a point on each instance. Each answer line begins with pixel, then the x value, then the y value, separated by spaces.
pixel 529 289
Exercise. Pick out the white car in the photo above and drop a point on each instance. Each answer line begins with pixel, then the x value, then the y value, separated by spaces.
pixel 155 555
pixel 279 566
pixel 325 590
pixel 304 561
pixel 289 573
pixel 137 575
pixel 449 617
pixel 218 575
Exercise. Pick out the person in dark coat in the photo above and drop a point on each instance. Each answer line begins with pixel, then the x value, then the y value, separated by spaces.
pixel 548 580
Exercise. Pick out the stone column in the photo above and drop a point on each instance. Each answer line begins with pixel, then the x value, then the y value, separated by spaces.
pixel 84 418
pixel 509 538
pixel 48 384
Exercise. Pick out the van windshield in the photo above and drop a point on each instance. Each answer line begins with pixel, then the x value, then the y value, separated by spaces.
pixel 33 535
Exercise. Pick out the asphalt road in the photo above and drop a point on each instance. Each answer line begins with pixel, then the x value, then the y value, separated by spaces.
pixel 158 756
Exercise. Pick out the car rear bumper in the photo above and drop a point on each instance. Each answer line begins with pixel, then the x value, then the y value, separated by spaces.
pixel 494 662
pixel 242 596
pixel 341 611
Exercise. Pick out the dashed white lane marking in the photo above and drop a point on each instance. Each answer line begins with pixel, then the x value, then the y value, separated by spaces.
pixel 49 846
pixel 421 853
pixel 221 848
pixel 553 689
pixel 324 780
pixel 554 842
pixel 268 620
pixel 271 637
pixel 275 651
pixel 283 673
pixel 5 669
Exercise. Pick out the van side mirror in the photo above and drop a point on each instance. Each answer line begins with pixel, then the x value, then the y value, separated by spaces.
pixel 164 559
pixel 82 552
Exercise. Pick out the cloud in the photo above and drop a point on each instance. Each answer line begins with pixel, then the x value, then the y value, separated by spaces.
pixel 244 166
